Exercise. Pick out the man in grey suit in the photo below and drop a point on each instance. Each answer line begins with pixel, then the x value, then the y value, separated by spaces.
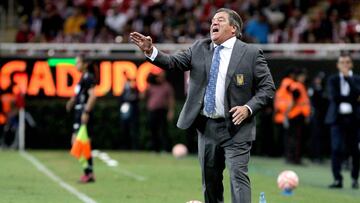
pixel 229 83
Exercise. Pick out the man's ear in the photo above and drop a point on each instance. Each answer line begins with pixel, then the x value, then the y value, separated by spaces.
pixel 234 29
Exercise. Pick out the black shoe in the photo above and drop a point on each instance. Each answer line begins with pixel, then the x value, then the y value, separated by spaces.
pixel 336 184
pixel 355 185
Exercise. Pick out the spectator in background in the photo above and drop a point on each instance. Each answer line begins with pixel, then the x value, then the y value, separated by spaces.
pixel 90 25
pixel 275 12
pixel 298 116
pixel 115 20
pixel 296 26
pixel 136 19
pixel 325 27
pixel 319 105
pixel 167 35
pixel 24 34
pixel 74 23
pixel 105 36
pixel 311 34
pixel 129 114
pixel 65 7
pixel 192 32
pixel 157 24
pixel 258 29
pixel 36 23
pixel 343 8
pixel 287 20
pixel 52 23
pixel 343 117
pixel 160 106
pixel 333 18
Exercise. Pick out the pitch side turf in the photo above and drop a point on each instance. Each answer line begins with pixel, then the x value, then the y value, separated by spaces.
pixel 144 177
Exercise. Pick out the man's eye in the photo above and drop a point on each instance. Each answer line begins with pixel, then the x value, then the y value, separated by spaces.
pixel 217 20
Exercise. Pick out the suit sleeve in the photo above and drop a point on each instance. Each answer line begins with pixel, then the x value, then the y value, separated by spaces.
pixel 180 61
pixel 354 86
pixel 263 83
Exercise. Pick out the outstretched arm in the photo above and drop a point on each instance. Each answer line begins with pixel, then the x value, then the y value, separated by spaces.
pixel 180 60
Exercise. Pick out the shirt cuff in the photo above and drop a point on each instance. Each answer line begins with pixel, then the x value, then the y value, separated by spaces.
pixel 249 109
pixel 153 55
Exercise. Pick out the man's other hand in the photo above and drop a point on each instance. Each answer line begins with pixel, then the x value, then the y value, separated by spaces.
pixel 239 113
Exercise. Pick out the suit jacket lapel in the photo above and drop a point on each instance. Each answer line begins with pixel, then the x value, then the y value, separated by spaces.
pixel 236 56
pixel 208 59
pixel 338 84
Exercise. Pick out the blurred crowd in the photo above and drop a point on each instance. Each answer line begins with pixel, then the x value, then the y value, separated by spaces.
pixel 183 21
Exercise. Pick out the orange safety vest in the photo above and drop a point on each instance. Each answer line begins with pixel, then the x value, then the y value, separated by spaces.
pixel 302 105
pixel 2 113
pixel 8 101
pixel 2 119
pixel 283 100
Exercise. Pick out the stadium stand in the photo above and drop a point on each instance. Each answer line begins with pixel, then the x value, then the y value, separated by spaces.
pixel 183 21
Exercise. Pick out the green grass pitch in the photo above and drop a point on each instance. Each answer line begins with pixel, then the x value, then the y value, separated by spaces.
pixel 166 180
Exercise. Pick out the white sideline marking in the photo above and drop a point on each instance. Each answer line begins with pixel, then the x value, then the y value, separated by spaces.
pixel 113 164
pixel 55 178
pixel 129 174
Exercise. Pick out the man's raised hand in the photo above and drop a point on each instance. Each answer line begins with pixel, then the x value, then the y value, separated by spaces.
pixel 143 42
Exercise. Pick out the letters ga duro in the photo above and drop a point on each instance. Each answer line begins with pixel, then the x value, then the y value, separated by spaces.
pixel 57 77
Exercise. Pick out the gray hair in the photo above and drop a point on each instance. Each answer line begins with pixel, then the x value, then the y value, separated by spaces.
pixel 235 20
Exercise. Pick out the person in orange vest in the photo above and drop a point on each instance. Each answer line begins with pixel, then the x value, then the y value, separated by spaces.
pixel 282 102
pixel 283 98
pixel 2 119
pixel 8 119
pixel 297 116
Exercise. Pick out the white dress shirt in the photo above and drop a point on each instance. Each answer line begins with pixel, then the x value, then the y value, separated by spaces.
pixel 225 55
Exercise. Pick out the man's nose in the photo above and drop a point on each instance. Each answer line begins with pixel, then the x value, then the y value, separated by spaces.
pixel 214 21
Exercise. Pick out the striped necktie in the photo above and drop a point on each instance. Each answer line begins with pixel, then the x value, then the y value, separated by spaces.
pixel 211 86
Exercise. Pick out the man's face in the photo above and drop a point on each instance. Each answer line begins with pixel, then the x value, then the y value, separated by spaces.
pixel 301 78
pixel 220 29
pixel 79 63
pixel 344 64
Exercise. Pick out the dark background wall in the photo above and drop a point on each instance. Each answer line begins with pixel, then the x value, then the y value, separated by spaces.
pixel 54 125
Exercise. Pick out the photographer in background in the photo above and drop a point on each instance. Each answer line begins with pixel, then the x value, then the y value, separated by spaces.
pixel 160 105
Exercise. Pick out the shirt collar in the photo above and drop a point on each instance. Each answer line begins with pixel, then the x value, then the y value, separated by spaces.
pixel 342 75
pixel 228 43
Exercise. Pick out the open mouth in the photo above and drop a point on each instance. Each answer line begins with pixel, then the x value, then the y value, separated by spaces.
pixel 215 30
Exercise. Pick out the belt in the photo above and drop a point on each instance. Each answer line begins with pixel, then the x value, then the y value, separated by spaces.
pixel 217 120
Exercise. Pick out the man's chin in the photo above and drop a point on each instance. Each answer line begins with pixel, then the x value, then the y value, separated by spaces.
pixel 214 38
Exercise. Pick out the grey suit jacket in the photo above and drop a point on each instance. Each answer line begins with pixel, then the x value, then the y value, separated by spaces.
pixel 248 81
